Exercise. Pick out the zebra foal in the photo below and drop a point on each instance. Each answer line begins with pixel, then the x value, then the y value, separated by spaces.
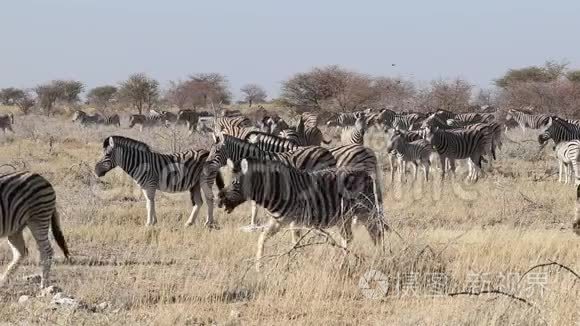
pixel 568 154
pixel 416 152
pixel 320 199
pixel 28 200
pixel 152 171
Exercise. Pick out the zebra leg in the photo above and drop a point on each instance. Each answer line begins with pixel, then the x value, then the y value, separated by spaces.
pixel 150 196
pixel 443 163
pixel 18 246
pixel 40 234
pixel 346 232
pixel 271 229
pixel 560 169
pixel 295 233
pixel 576 223
pixel 253 217
pixel 416 166
pixel 197 202
pixel 402 169
pixel 206 187
pixel 426 167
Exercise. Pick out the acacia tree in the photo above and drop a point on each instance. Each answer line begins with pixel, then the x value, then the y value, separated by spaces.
pixel 253 93
pixel 331 87
pixel 47 95
pixel 451 95
pixel 198 90
pixel 101 96
pixel 139 91
pixel 14 96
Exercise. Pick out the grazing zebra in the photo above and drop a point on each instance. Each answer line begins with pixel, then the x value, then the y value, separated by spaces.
pixel 145 121
pixel 6 122
pixel 320 199
pixel 355 134
pixel 527 120
pixel 568 154
pixel 189 117
pixel 303 158
pixel 460 144
pixel 559 130
pixel 152 171
pixel 417 152
pixel 166 117
pixel 27 199
pixel 276 125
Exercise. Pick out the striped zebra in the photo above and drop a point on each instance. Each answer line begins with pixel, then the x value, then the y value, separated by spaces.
pixel 144 121
pixel 270 143
pixel 310 119
pixel 28 199
pixel 305 136
pixel 558 130
pixel 348 119
pixel 356 133
pixel 351 156
pixel 568 155
pixel 96 119
pixel 276 125
pixel 6 122
pixel 237 126
pixel 303 158
pixel 416 152
pixel 319 199
pixel 152 171
pixel 464 118
pixel 469 144
pixel 527 120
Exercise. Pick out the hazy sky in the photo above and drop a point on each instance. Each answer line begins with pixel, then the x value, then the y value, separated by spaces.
pixel 103 41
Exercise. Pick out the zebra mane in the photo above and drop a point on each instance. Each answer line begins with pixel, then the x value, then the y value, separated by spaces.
pixel 127 142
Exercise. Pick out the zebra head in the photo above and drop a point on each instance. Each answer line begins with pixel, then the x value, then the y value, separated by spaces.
pixel 78 115
pixel 234 195
pixel 108 162
pixel 544 137
pixel 217 156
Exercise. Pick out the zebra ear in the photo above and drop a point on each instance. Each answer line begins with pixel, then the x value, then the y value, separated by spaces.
pixel 244 166
pixel 111 142
pixel 230 164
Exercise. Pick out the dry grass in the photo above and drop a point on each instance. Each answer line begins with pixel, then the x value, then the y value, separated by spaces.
pixel 515 218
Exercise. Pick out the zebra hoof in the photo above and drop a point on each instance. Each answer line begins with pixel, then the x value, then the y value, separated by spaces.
pixel 576 227
pixel 212 225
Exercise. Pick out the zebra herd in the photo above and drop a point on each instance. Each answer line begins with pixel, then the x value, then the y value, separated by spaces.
pixel 284 169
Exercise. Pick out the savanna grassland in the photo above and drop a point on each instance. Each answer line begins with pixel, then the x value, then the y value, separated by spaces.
pixel 452 241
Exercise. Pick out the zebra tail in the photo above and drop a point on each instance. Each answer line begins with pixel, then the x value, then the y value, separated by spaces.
pixel 57 233
pixel 219 180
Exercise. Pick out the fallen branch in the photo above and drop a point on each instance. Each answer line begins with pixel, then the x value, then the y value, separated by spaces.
pixel 509 295
pixel 552 263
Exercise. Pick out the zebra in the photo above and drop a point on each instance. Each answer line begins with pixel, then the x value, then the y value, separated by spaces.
pixel 86 119
pixel 351 156
pixel 305 136
pixel 568 155
pixel 319 199
pixel 310 119
pixel 145 121
pixel 558 130
pixel 460 144
pixel 189 117
pixel 152 171
pixel 237 126
pixel 270 143
pixel 6 122
pixel 96 119
pixel 28 199
pixel 228 147
pixel 166 117
pixel 417 152
pixel 527 120
pixel 355 134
